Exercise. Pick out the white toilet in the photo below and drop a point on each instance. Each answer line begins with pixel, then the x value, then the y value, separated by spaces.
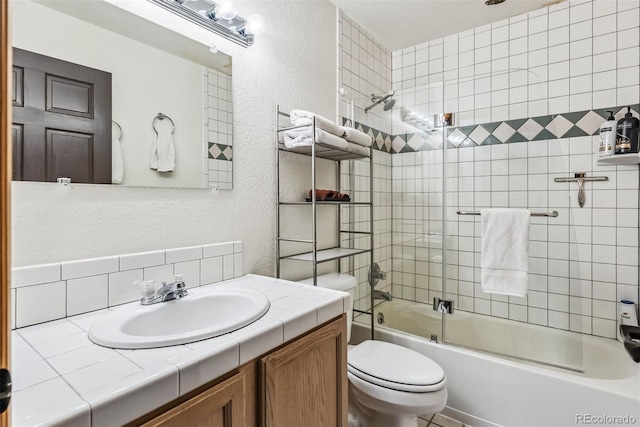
pixel 389 385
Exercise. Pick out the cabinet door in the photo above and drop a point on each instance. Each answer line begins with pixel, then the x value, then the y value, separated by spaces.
pixel 221 406
pixel 305 382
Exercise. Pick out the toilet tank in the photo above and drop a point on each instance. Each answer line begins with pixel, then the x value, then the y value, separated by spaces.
pixel 338 282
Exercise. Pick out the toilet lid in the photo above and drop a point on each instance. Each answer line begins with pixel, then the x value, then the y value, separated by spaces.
pixel 395 367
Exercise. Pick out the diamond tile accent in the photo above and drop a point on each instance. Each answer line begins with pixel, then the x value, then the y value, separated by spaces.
pixel 228 153
pixel 479 134
pixel 398 144
pixel 387 144
pixel 590 123
pixel 504 132
pixel 415 142
pixel 456 137
pixel 214 151
pixel 530 129
pixel 559 126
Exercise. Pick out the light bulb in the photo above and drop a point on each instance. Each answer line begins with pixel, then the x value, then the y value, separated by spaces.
pixel 255 24
pixel 225 11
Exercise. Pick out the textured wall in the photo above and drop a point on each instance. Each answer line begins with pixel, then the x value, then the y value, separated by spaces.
pixel 293 63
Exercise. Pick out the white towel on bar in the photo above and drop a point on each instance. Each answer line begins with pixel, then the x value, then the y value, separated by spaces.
pixel 117 161
pixel 303 118
pixel 163 151
pixel 505 251
pixel 357 137
pixel 301 137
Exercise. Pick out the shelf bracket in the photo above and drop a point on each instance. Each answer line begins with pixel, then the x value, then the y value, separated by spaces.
pixel 581 178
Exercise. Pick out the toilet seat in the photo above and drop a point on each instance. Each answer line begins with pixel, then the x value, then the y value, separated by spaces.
pixel 394 367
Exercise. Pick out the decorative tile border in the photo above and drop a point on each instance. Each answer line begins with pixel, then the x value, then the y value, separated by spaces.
pixel 220 151
pixel 381 140
pixel 567 125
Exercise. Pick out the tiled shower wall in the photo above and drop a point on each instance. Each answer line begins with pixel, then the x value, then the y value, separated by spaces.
pixel 365 68
pixel 573 56
pixel 218 130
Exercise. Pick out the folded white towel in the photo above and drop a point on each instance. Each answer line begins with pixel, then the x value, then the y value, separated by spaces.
pixel 357 137
pixel 505 251
pixel 117 161
pixel 303 118
pixel 163 151
pixel 301 137
pixel 358 149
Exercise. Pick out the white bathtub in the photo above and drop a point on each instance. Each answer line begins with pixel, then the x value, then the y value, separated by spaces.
pixel 491 390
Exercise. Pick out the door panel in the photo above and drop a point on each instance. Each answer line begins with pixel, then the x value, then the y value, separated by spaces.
pixel 69 154
pixel 65 110
pixel 66 96
pixel 17 133
pixel 18 87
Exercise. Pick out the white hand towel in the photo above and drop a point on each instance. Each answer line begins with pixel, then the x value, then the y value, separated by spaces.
pixel 357 137
pixel 301 137
pixel 302 118
pixel 117 161
pixel 163 152
pixel 505 251
pixel 358 149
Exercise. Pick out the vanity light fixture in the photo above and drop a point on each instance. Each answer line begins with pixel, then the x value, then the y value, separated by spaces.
pixel 220 18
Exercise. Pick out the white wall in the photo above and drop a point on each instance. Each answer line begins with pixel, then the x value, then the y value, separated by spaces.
pixel 294 64
pixel 145 81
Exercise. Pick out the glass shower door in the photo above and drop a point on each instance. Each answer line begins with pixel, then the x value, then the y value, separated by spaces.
pixel 489 164
pixel 418 210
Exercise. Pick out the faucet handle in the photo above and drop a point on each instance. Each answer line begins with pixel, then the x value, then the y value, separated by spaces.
pixel 178 279
pixel 147 287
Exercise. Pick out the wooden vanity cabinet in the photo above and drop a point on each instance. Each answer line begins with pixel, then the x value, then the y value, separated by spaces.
pixel 222 405
pixel 301 383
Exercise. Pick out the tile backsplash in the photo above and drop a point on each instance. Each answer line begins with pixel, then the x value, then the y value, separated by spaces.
pixel 41 293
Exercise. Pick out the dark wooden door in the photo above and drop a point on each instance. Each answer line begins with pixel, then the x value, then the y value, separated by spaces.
pixel 61 120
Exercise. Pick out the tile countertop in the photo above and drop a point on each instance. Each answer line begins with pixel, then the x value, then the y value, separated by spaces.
pixel 60 377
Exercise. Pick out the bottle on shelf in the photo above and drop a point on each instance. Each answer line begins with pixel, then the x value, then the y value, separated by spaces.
pixel 627 134
pixel 608 136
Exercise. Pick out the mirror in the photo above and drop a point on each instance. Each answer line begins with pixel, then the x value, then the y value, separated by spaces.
pixel 158 77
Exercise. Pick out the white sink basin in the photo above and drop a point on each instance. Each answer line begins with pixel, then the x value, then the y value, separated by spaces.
pixel 204 313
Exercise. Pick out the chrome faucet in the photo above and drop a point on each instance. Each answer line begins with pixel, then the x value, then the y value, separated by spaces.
pixel 167 292
pixel 382 295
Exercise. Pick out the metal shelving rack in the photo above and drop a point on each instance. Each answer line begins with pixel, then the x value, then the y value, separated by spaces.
pixel 318 150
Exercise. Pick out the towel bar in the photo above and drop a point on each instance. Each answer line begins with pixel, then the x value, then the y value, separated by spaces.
pixel 552 214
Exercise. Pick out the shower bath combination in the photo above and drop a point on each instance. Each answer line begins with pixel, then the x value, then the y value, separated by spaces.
pixel 386 98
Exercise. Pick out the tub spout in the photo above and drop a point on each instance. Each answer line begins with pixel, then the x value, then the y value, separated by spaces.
pixel 382 295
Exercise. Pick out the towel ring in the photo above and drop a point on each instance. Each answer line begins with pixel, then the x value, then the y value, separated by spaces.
pixel 113 122
pixel 161 116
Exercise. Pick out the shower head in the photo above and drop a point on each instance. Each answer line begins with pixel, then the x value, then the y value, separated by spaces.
pixel 377 99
